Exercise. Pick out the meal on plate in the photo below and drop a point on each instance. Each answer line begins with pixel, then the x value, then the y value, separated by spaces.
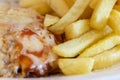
pixel 39 38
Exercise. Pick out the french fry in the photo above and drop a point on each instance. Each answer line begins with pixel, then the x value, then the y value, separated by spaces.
pixel 118 2
pixel 114 21
pixel 87 13
pixel 76 65
pixel 54 13
pixel 26 3
pixel 107 43
pixel 50 20
pixel 73 47
pixel 70 2
pixel 107 58
pixel 76 29
pixel 117 7
pixel 39 5
pixel 72 15
pixel 90 37
pixel 93 3
pixel 59 6
pixel 101 13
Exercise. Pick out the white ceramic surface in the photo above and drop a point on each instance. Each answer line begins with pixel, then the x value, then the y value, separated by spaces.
pixel 112 73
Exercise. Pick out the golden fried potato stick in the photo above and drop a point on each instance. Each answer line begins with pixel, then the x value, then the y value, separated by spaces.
pixel 76 29
pixel 76 65
pixel 72 15
pixel 59 6
pixel 50 20
pixel 108 42
pixel 73 47
pixel 117 7
pixel 26 3
pixel 101 14
pixel 70 2
pixel 87 13
pixel 114 21
pixel 93 3
pixel 39 5
pixel 107 58
pixel 118 2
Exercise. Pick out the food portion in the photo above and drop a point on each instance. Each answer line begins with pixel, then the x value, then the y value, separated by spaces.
pixel 50 20
pixel 25 45
pixel 72 15
pixel 107 58
pixel 59 6
pixel 107 43
pixel 76 29
pixel 101 13
pixel 39 5
pixel 76 66
pixel 73 47
pixel 114 20
pixel 70 37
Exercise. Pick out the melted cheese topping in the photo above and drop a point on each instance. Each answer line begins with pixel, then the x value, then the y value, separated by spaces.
pixel 32 44
pixel 29 38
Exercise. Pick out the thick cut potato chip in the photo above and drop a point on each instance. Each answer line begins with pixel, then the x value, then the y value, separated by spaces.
pixel 50 20
pixel 107 43
pixel 59 6
pixel 76 29
pixel 114 21
pixel 70 2
pixel 39 5
pixel 101 14
pixel 72 15
pixel 76 65
pixel 73 47
pixel 87 32
pixel 87 13
pixel 117 7
pixel 93 3
pixel 107 58
pixel 118 2
pixel 26 3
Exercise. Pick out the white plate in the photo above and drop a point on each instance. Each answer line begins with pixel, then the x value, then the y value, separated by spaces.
pixel 112 73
